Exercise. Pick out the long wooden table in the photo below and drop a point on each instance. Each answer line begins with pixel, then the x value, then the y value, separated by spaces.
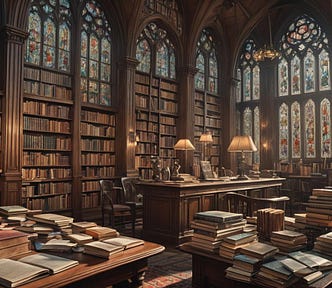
pixel 170 207
pixel 98 272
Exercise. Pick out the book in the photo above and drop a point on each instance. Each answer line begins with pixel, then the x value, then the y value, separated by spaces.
pixel 81 226
pixel 259 250
pixel 293 265
pixel 53 263
pixel 101 232
pixel 101 249
pixel 276 269
pixel 218 216
pixel 79 238
pixel 14 273
pixel 13 209
pixel 312 260
pixel 52 219
pixel 240 238
pixel 124 241
pixel 246 263
pixel 10 238
pixel 312 277
pixel 61 245
pixel 35 229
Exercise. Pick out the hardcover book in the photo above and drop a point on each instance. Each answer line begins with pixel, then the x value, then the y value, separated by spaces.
pixel 124 241
pixel 53 263
pixel 259 250
pixel 101 249
pixel 218 216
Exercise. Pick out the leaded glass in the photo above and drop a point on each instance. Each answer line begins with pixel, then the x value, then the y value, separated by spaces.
pixel 309 72
pixel 200 76
pixel 247 121
pixel 256 83
pixel 247 84
pixel 238 85
pixel 257 134
pixel 295 75
pixel 325 127
pixel 64 47
pixel 283 77
pixel 213 72
pixel 49 44
pixel 310 129
pixel 296 130
pixel 32 54
pixel 283 131
pixel 96 54
pixel 162 60
pixel 324 70
pixel 143 55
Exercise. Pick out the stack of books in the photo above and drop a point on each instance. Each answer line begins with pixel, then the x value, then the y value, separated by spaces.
pixel 231 245
pixel 300 220
pixel 57 245
pixel 244 268
pixel 101 232
pixel 312 260
pixel 269 220
pixel 13 243
pixel 101 249
pixel 80 227
pixel 13 215
pixel 51 219
pixel 261 251
pixel 210 227
pixel 319 208
pixel 288 240
pixel 290 223
pixel 323 244
pixel 275 274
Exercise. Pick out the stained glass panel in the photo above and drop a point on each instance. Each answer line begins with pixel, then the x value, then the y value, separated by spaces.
pixel 213 72
pixel 325 127
pixel 84 44
pixel 256 137
pixel 143 55
pixel 172 64
pixel 33 44
pixel 93 69
pixel 94 47
pixel 247 84
pixel 238 85
pixel 200 75
pixel 310 129
pixel 105 51
pixel 296 130
pixel 283 77
pixel 283 131
pixel 162 60
pixel 247 121
pixel 295 75
pixel 84 90
pixel 309 72
pixel 105 72
pixel 256 83
pixel 105 94
pixel 93 92
pixel 49 56
pixel 324 71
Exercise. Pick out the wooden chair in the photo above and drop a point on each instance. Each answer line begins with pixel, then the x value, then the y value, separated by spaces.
pixel 113 203
pixel 131 197
pixel 240 203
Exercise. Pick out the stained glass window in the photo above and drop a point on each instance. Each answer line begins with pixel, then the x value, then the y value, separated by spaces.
pixel 95 55
pixel 49 20
pixel 154 46
pixel 206 63
pixel 305 57
pixel 325 128
pixel 257 133
pixel 283 131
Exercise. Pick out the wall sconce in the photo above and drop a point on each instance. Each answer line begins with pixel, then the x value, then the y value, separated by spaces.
pixel 133 137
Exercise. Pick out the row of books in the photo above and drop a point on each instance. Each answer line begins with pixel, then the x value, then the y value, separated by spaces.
pixel 47 142
pixel 144 79
pixel 94 130
pixel 32 158
pixel 32 107
pixel 269 220
pixel 98 117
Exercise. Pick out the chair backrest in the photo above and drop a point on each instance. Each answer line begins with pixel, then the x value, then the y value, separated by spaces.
pixel 240 203
pixel 129 189
pixel 109 193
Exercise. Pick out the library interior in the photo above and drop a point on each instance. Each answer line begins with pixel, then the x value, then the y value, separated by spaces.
pixel 202 130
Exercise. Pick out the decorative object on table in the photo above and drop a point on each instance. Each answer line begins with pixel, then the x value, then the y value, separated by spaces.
pixel 175 175
pixel 185 145
pixel 242 144
pixel 205 139
pixel 156 169
pixel 165 173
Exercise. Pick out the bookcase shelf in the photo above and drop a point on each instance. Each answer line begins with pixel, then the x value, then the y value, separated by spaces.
pixel 156 113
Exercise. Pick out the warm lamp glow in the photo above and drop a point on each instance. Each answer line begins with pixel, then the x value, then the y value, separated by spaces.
pixel 242 144
pixel 206 137
pixel 184 144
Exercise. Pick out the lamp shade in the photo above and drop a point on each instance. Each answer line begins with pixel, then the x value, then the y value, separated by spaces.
pixel 206 137
pixel 184 144
pixel 242 144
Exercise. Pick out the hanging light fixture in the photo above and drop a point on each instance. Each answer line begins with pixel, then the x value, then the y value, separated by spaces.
pixel 267 52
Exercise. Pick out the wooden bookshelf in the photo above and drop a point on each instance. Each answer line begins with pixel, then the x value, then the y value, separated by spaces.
pixel 47 140
pixel 208 118
pixel 156 113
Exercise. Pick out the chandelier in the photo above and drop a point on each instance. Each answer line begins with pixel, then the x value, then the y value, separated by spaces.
pixel 267 52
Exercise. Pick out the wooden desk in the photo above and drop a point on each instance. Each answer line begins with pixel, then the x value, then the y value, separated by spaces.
pixel 170 207
pixel 98 272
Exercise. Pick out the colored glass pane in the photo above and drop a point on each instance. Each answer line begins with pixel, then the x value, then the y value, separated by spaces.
pixel 247 84
pixel 143 55
pixel 247 121
pixel 238 85
pixel 325 124
pixel 84 90
pixel 309 72
pixel 256 83
pixel 200 75
pixel 324 70
pixel 105 94
pixel 296 130
pixel 94 47
pixel 162 63
pixel 93 69
pixel 295 75
pixel 49 56
pixel 105 72
pixel 257 132
pixel 310 129
pixel 33 43
pixel 84 44
pixel 93 92
pixel 283 77
pixel 172 64
pixel 283 131
pixel 105 51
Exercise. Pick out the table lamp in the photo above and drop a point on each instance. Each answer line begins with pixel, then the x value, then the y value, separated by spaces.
pixel 205 138
pixel 186 145
pixel 242 144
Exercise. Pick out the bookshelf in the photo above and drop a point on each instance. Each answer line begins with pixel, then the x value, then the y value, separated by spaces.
pixel 47 140
pixel 97 151
pixel 156 112
pixel 1 98
pixel 208 118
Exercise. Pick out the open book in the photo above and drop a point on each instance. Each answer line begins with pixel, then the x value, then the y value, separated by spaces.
pixel 14 273
pixel 54 264
pixel 124 241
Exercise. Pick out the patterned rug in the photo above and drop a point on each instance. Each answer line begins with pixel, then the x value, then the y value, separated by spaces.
pixel 172 269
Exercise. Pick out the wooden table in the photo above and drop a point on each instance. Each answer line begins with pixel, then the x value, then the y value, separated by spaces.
pixel 170 207
pixel 98 272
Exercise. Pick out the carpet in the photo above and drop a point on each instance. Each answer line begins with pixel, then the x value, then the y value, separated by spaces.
pixel 172 268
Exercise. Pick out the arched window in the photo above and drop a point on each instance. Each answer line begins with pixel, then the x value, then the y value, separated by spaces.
pixel 49 40
pixel 304 83
pixel 156 98
pixel 95 55
pixel 248 95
